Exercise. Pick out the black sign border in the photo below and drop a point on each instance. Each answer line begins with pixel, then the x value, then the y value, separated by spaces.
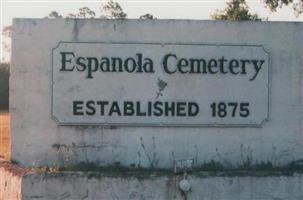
pixel 260 125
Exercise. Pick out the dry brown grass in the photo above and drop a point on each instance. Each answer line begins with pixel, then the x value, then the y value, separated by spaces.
pixel 5 143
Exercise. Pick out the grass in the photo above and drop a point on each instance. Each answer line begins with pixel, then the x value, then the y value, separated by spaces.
pixel 96 171
pixel 5 150
pixel 211 168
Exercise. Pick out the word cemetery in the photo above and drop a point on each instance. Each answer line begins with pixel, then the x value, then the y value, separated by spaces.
pixel 171 64
pixel 159 84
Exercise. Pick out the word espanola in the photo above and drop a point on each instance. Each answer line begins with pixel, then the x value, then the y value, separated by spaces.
pixel 171 63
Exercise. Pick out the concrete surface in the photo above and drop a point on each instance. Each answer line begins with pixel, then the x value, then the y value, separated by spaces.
pixel 38 140
pixel 81 186
pixel 19 183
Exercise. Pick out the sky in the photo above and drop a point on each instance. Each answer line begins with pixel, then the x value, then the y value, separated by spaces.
pixel 162 9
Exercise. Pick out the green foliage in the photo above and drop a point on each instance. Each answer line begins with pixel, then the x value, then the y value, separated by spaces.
pixel 295 165
pixel 116 168
pixel 211 166
pixel 7 31
pixel 83 13
pixel 7 34
pixel 236 10
pixel 4 86
pixel 297 5
pixel 258 166
pixel 109 10
pixel 54 14
pixel 147 16
pixel 113 10
pixel 265 166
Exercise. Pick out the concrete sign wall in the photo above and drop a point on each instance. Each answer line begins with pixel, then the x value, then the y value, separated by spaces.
pixel 93 91
pixel 159 84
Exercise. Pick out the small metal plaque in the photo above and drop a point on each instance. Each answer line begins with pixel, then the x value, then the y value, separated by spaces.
pixel 183 166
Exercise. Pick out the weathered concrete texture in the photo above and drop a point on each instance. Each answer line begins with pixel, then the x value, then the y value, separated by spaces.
pixel 94 186
pixel 10 181
pixel 38 140
pixel 19 183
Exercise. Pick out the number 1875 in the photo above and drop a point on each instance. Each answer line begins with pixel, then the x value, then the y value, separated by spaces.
pixel 233 109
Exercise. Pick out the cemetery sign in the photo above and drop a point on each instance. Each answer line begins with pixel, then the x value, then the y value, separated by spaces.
pixel 150 84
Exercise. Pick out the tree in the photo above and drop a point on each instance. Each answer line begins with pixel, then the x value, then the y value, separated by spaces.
pixel 7 34
pixel 113 10
pixel 83 13
pixel 54 14
pixel 110 10
pixel 236 10
pixel 297 5
pixel 147 16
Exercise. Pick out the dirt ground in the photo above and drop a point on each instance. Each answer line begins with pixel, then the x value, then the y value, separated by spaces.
pixel 5 151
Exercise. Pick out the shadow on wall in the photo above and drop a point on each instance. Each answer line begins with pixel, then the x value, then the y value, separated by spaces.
pixel 4 86
pixel 5 149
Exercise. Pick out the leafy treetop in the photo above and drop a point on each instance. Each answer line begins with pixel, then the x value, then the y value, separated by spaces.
pixel 297 5
pixel 236 10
